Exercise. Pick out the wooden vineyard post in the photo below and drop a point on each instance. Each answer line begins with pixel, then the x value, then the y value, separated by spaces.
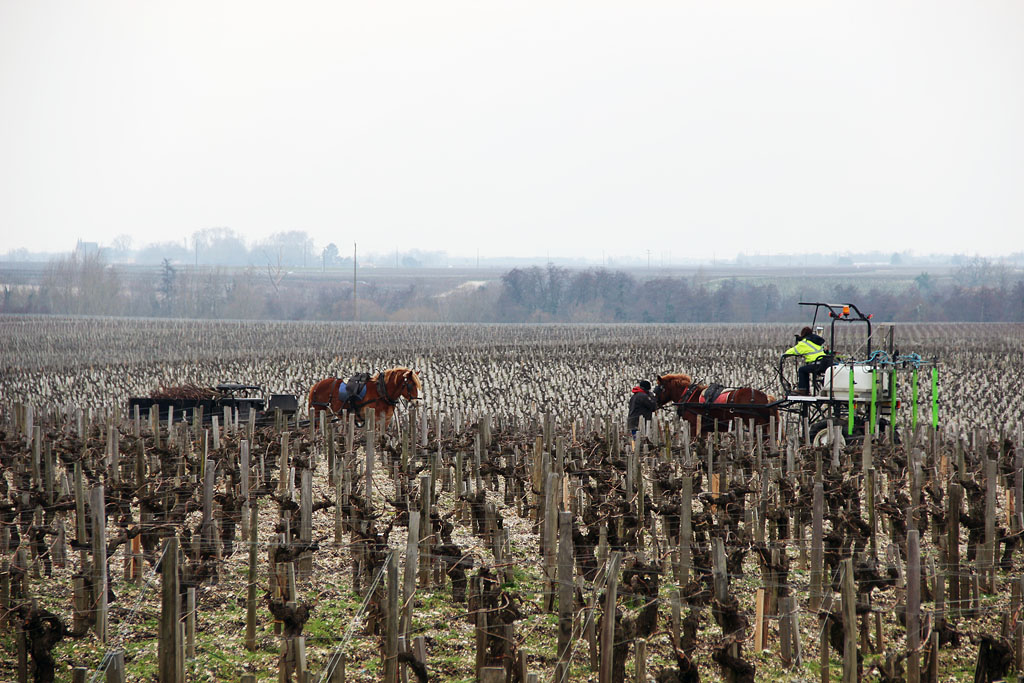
pixel 170 644
pixel 282 484
pixel 492 674
pixel 478 615
pixel 332 446
pixel 80 524
pixel 49 473
pixel 1018 490
pixel 336 667
pixel 685 529
pixel 675 603
pixel 115 668
pixel 391 621
pixel 955 496
pixel 209 481
pixel 913 606
pixel 641 661
pixel 22 648
pixel 190 623
pixel 817 549
pixel 760 623
pixel 872 515
pixel 243 484
pixel 6 615
pixel 411 560
pixel 113 451
pixel 371 443
pixel 478 483
pixel 939 595
pixel 988 563
pixel 790 623
pixel 549 539
pixel 589 631
pixel 537 473
pixel 824 658
pixel 425 532
pixel 306 522
pixel 720 581
pixel 565 594
pixel 340 496
pixel 99 559
pixel 250 597
pixel 608 620
pixel 849 612
pixel 1018 628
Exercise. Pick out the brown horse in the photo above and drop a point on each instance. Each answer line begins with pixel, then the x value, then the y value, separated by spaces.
pixel 383 391
pixel 694 400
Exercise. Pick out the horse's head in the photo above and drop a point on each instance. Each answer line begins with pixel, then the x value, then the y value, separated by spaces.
pixel 408 383
pixel 670 387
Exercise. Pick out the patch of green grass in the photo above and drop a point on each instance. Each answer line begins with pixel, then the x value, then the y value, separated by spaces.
pixel 517 578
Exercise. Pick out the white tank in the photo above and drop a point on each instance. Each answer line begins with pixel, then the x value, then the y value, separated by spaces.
pixel 838 378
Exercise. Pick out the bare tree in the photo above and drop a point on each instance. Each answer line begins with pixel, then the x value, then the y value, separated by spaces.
pixel 275 271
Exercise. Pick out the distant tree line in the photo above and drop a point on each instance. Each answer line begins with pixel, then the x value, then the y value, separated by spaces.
pixel 978 292
pixel 85 284
pixel 226 247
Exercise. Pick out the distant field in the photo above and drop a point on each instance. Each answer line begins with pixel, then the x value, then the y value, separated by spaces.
pixel 570 370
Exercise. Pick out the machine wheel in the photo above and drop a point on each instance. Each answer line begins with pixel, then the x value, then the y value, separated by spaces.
pixel 820 435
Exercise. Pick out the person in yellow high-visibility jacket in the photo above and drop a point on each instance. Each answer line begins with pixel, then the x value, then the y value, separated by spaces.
pixel 812 347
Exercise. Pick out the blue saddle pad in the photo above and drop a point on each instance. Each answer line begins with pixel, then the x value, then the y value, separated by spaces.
pixel 344 396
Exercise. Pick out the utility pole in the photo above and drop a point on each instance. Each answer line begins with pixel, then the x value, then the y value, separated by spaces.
pixel 355 301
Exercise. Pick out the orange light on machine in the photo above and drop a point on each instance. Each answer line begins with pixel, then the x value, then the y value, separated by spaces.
pixel 846 310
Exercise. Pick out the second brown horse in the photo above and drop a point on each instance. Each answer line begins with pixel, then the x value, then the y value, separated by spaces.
pixel 695 401
pixel 383 392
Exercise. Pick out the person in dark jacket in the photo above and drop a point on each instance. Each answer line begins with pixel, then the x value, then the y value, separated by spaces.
pixel 812 347
pixel 641 404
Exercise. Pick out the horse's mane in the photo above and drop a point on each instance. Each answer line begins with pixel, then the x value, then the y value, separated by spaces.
pixel 680 377
pixel 401 369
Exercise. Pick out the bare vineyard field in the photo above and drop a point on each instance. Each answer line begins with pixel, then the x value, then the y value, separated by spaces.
pixel 497 523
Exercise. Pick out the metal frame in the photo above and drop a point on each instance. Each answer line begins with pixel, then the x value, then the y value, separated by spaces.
pixel 820 407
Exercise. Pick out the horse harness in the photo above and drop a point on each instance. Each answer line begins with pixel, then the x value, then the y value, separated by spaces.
pixel 382 390
pixel 695 402
pixel 354 390
pixel 691 394
pixel 712 392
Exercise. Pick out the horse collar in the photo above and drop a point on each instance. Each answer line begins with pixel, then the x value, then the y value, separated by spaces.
pixel 382 389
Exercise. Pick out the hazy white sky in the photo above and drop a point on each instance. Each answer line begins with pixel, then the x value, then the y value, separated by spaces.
pixel 524 128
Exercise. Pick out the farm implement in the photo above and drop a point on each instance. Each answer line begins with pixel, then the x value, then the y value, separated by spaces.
pixel 853 393
pixel 857 393
pixel 189 402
